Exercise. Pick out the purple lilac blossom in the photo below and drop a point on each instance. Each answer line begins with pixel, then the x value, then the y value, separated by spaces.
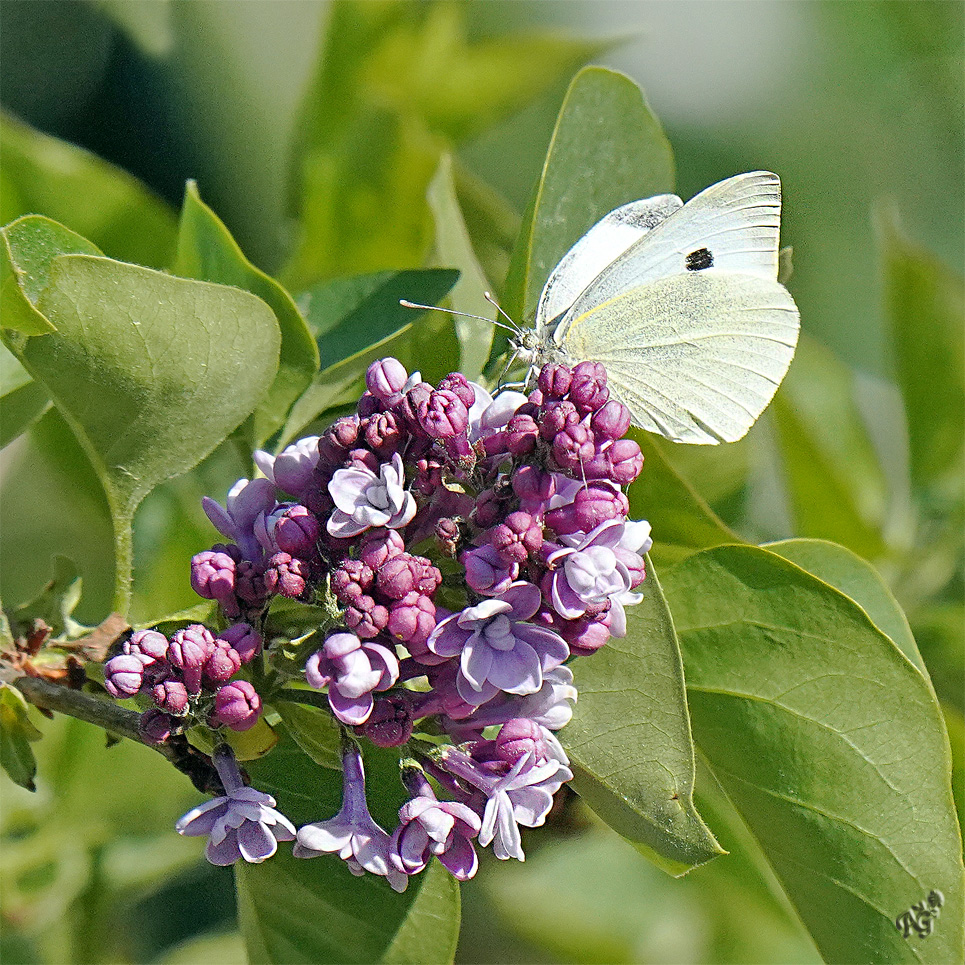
pixel 352 833
pixel 430 827
pixel 521 796
pixel 236 520
pixel 291 470
pixel 364 500
pixel 351 670
pixel 498 650
pixel 242 824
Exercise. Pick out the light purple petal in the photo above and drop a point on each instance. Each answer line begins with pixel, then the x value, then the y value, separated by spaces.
pixel 448 638
pixel 507 843
pixel 223 523
pixel 476 662
pixel 566 603
pixel 550 646
pixel 201 820
pixel 343 526
pixel 517 671
pixel 460 859
pixel 347 487
pixel 324 836
pixel 608 534
pixel 472 696
pixel 356 676
pixel 618 619
pixel 413 848
pixel 524 598
pixel 350 710
pixel 255 842
pixel 224 853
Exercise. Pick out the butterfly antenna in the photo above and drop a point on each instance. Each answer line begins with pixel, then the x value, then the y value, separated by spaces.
pixel 492 301
pixel 405 303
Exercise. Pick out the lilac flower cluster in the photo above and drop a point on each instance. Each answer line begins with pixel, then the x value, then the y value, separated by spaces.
pixel 188 678
pixel 467 546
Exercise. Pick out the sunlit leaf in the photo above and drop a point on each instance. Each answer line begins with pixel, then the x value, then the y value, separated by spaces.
pixel 607 149
pixel 830 744
pixel 629 739
pixel 206 251
pixel 128 340
pixel 16 734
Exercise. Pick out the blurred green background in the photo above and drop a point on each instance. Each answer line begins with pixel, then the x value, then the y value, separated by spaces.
pixel 313 131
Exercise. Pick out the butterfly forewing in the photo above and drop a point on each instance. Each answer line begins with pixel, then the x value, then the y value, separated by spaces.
pixel 599 247
pixel 733 226
pixel 696 357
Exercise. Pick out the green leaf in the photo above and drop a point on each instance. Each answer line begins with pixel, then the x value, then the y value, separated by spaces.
pixel 99 201
pixel 830 744
pixel 22 401
pixel 314 910
pixel 925 304
pixel 371 321
pixel 629 740
pixel 682 522
pixel 607 149
pixel 137 359
pixel 16 734
pixel 453 247
pixel 315 732
pixel 206 251
pixel 30 245
pixel 858 579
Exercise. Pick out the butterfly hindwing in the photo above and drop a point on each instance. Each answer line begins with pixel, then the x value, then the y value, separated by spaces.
pixel 695 357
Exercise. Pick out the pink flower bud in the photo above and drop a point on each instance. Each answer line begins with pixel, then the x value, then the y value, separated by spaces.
pixel 245 640
pixel 554 380
pixel 148 644
pixel 170 696
pixel 572 448
pixel 385 379
pixel 457 383
pixel 626 461
pixel 236 705
pixel 520 737
pixel 556 418
pixel 223 662
pixel 517 537
pixel 611 421
pixel 379 545
pixel 588 391
pixel 124 674
pixel 390 723
pixel 188 651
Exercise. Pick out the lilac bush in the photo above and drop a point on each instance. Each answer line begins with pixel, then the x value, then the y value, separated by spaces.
pixel 465 548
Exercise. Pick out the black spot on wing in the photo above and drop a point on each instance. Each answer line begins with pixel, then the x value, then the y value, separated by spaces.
pixel 700 259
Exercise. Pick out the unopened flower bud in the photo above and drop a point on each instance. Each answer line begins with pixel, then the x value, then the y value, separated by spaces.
pixel 521 434
pixel 170 696
pixel 148 644
pixel 572 448
pixel 520 737
pixel 236 705
pixel 445 415
pixel 556 418
pixel 517 537
pixel 379 545
pixel 124 674
pixel 222 663
pixel 287 575
pixel 588 391
pixel 188 652
pixel 384 433
pixel 554 380
pixel 385 379
pixel 245 640
pixel 390 723
pixel 610 421
pixel 154 726
pixel 456 382
pixel 626 461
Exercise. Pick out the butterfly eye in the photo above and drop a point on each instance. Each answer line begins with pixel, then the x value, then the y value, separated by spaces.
pixel 699 260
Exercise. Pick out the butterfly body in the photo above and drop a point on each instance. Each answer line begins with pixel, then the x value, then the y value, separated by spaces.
pixel 681 304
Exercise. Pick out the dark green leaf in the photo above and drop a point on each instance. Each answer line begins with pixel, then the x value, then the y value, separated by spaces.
pixel 138 357
pixel 925 303
pixel 54 604
pixel 90 196
pixel 854 577
pixel 16 734
pixel 682 522
pixel 629 740
pixel 314 910
pixel 315 732
pixel 206 251
pixel 372 322
pixel 607 149
pixel 453 248
pixel 830 744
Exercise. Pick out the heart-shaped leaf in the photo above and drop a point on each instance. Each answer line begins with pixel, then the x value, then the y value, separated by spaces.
pixel 830 744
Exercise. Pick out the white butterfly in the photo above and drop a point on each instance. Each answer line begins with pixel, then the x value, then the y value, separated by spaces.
pixel 681 304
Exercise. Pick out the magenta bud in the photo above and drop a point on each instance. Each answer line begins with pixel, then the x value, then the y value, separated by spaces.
pixel 296 531
pixel 237 706
pixel 586 634
pixel 379 545
pixel 457 383
pixel 554 380
pixel 517 537
pixel 519 737
pixel 534 489
pixel 385 379
pixel 154 726
pixel 124 674
pixel 245 640
pixel 588 391
pixel 384 433
pixel 572 448
pixel 223 662
pixel 213 575
pixel 188 652
pixel 557 417
pixel 611 421
pixel 412 618
pixel 626 461
pixel 390 723
pixel 366 618
pixel 288 576
pixel 521 434
pixel 350 580
pixel 445 415
pixel 170 696
pixel 368 405
pixel 148 644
